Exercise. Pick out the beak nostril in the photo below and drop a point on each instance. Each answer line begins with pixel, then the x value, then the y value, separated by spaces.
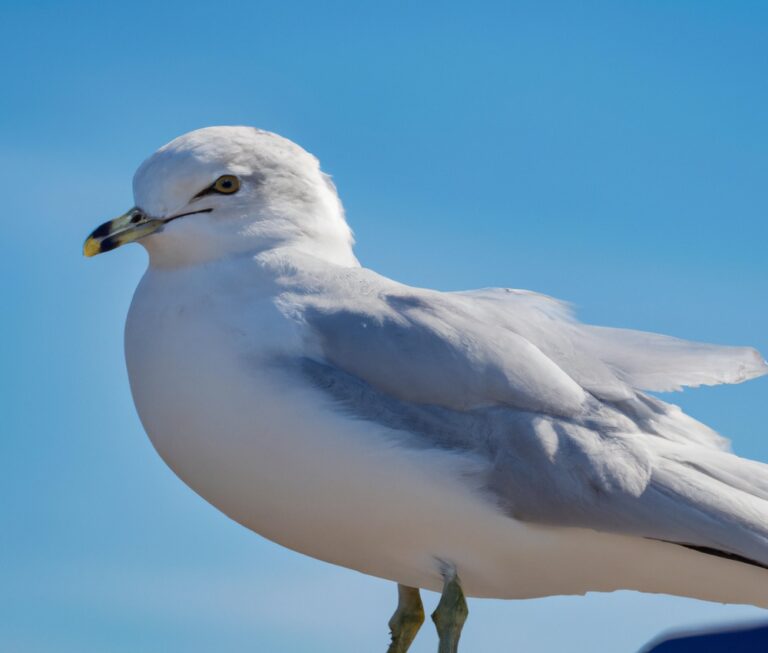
pixel 135 218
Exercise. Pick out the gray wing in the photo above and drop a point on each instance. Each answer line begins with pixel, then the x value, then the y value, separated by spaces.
pixel 430 348
pixel 496 347
pixel 554 407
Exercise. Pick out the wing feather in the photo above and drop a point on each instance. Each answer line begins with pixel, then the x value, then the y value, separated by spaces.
pixel 606 360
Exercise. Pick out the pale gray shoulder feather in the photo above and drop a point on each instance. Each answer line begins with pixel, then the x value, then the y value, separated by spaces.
pixel 429 347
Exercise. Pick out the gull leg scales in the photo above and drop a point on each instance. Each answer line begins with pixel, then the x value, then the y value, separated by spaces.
pixel 406 620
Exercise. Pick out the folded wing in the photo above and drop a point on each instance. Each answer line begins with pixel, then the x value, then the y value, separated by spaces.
pixel 553 406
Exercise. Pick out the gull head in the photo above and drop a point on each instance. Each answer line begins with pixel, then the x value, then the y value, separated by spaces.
pixel 222 192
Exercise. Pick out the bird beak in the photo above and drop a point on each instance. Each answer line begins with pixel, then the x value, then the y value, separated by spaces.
pixel 128 227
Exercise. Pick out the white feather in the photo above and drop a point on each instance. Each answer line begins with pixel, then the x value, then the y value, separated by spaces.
pixel 386 428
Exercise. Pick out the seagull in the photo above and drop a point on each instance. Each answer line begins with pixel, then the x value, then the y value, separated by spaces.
pixel 479 443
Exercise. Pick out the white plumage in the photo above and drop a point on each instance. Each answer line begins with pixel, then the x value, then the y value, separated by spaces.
pixel 392 429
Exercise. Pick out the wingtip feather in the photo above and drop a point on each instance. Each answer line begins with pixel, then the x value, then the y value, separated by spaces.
pixel 758 367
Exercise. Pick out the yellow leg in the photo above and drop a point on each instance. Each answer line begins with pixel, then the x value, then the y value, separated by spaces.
pixel 407 620
pixel 450 614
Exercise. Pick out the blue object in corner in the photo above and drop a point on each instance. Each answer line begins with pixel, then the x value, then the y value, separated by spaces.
pixel 732 640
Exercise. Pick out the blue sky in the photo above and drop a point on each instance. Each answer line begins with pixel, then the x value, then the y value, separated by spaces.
pixel 612 154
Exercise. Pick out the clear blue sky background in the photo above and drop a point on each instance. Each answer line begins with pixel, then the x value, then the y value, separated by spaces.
pixel 612 154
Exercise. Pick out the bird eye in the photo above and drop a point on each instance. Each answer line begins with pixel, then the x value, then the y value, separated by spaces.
pixel 227 184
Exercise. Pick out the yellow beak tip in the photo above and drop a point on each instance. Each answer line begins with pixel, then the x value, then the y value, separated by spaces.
pixel 91 247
